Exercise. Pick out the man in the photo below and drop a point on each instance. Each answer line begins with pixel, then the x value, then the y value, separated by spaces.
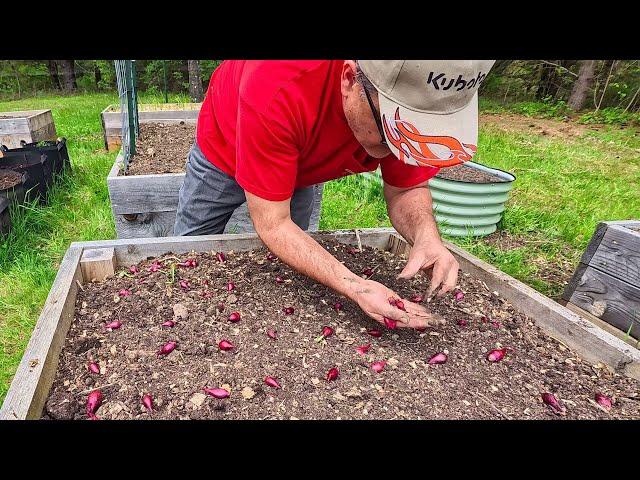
pixel 269 130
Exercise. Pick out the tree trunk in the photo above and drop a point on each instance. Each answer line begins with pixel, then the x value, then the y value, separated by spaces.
pixel 97 74
pixel 195 81
pixel 68 74
pixel 53 73
pixel 15 73
pixel 582 85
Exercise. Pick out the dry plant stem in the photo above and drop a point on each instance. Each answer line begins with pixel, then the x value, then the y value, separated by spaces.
pixel 491 404
pixel 96 388
pixel 357 232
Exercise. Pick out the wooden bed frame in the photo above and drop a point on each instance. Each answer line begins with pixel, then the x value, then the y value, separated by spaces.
pixel 35 374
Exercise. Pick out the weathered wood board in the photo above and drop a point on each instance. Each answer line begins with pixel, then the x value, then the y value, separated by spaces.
pixel 34 377
pixel 36 371
pixel 29 126
pixel 146 205
pixel 98 263
pixel 606 282
pixel 610 299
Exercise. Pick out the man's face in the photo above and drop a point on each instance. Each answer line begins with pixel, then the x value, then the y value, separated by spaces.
pixel 358 112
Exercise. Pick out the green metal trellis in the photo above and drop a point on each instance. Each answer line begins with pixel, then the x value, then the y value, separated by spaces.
pixel 126 79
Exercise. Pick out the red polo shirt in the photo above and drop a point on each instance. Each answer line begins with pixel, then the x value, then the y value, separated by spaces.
pixel 279 125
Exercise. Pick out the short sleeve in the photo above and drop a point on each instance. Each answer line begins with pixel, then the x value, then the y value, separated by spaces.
pixel 266 152
pixel 398 174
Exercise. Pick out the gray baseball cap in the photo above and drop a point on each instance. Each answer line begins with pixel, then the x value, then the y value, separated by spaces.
pixel 429 108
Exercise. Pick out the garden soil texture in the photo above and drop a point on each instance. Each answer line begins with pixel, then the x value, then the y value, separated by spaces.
pixel 463 173
pixel 9 179
pixel 466 386
pixel 162 148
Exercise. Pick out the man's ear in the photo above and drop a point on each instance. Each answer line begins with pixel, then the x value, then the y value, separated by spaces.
pixel 348 77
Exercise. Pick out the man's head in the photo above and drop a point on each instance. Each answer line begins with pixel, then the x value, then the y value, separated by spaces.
pixel 362 116
pixel 425 112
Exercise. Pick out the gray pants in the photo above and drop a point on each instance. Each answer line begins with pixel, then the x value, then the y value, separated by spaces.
pixel 208 197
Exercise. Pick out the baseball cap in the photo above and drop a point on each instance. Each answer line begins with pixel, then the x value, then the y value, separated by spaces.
pixel 429 108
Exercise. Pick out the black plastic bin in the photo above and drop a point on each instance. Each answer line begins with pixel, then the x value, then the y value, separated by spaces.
pixel 38 169
pixel 55 150
pixel 5 218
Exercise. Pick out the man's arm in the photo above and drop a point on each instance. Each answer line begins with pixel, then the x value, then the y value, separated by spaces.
pixel 293 246
pixel 410 212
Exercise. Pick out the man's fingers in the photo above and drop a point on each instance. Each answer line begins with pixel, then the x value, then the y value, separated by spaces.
pixel 412 267
pixel 436 279
pixel 450 282
pixel 423 321
pixel 416 316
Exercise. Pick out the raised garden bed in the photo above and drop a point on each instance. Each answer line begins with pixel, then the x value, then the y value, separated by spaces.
pixel 26 126
pixel 466 386
pixel 144 196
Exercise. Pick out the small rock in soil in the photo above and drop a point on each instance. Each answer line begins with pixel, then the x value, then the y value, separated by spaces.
pixel 180 312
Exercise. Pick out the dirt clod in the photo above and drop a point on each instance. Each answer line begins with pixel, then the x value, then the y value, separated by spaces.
pixel 62 406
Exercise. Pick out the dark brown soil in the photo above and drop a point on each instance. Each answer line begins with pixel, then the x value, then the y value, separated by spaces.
pixel 467 386
pixel 162 148
pixel 9 179
pixel 463 173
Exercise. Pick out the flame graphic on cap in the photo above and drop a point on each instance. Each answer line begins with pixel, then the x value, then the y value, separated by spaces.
pixel 413 145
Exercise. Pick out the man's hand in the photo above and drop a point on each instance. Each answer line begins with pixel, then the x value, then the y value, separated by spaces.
pixel 410 213
pixel 437 260
pixel 373 299
pixel 293 246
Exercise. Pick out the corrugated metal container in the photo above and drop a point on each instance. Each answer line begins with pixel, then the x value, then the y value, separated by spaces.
pixel 463 208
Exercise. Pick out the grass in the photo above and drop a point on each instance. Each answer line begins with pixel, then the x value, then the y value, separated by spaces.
pixel 564 188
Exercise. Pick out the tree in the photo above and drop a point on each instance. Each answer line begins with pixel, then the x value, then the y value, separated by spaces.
pixel 97 74
pixel 195 81
pixel 68 73
pixel 53 73
pixel 582 85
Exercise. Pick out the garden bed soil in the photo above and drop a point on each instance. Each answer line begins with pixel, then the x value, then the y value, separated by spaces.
pixel 464 173
pixel 162 148
pixel 467 386
pixel 9 179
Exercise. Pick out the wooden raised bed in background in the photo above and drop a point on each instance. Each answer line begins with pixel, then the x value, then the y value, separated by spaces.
pixel 31 384
pixel 147 113
pixel 28 126
pixel 146 205
pixel 606 283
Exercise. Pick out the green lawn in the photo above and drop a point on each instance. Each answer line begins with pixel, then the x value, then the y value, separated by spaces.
pixel 564 188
